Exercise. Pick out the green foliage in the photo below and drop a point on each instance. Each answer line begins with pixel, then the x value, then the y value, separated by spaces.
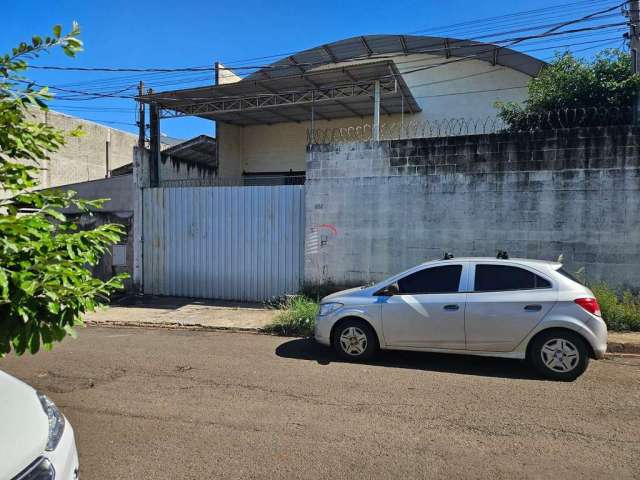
pixel 297 317
pixel 45 281
pixel 620 311
pixel 568 82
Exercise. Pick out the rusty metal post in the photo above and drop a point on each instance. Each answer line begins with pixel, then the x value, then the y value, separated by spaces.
pixel 141 117
pixel 154 143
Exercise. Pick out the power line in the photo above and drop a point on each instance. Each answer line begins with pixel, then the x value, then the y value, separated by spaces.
pixel 176 79
pixel 501 18
pixel 555 26
pixel 184 75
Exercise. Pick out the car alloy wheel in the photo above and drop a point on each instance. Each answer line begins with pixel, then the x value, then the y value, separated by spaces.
pixel 560 355
pixel 353 341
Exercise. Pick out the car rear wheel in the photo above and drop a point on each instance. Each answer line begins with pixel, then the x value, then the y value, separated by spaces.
pixel 559 355
pixel 355 340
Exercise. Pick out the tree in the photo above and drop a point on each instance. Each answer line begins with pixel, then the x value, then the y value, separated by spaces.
pixel 45 283
pixel 575 92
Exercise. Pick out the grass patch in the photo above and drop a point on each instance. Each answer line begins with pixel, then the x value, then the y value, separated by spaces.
pixel 620 311
pixel 297 317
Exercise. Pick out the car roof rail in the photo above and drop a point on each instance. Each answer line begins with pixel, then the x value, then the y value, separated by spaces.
pixel 447 256
pixel 502 255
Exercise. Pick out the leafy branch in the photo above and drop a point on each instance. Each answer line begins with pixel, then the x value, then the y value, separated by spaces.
pixel 45 282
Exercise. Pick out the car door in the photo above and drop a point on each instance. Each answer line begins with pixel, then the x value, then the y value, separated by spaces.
pixel 507 301
pixel 428 311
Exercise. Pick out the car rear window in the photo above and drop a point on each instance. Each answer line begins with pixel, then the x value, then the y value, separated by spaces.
pixel 491 278
pixel 445 279
pixel 570 276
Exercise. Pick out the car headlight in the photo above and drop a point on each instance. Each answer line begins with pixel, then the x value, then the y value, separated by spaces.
pixel 41 469
pixel 327 308
pixel 56 421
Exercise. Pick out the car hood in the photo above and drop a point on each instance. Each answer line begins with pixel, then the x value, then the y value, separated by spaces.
pixel 351 292
pixel 23 426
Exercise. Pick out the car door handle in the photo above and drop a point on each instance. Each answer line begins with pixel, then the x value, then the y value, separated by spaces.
pixel 533 308
pixel 452 307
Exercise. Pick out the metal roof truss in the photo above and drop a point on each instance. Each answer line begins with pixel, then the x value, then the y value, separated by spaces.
pixel 261 101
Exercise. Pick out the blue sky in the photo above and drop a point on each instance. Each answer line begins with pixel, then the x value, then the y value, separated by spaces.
pixel 143 33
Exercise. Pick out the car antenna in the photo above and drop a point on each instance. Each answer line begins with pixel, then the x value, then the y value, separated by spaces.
pixel 502 255
pixel 447 256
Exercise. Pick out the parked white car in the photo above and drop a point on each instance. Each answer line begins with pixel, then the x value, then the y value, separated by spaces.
pixel 36 440
pixel 501 307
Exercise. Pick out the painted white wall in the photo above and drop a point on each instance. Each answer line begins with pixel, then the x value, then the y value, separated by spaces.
pixel 460 89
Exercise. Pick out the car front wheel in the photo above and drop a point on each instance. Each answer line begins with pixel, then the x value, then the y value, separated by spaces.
pixel 559 355
pixel 355 340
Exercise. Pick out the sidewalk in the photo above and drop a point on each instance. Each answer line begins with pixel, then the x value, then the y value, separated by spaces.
pixel 172 312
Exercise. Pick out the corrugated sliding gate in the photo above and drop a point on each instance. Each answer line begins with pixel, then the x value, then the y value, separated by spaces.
pixel 230 243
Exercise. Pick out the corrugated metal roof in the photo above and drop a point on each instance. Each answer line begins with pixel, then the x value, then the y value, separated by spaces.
pixel 200 149
pixel 367 46
pixel 288 98
pixel 306 70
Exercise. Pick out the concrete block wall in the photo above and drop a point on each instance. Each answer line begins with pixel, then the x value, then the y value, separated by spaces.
pixel 84 158
pixel 395 204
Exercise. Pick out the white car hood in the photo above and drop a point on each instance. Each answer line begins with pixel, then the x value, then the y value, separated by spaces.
pixel 342 293
pixel 24 426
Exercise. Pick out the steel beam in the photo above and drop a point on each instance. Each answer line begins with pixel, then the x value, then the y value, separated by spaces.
pixel 295 63
pixel 376 111
pixel 366 45
pixel 403 42
pixel 327 49
pixel 269 101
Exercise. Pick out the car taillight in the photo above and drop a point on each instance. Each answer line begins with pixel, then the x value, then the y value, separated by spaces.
pixel 590 305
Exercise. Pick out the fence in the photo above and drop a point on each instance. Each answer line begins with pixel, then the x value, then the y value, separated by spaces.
pixel 451 127
pixel 227 243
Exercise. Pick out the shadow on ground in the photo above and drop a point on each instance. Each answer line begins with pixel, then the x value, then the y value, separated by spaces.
pixel 158 302
pixel 308 349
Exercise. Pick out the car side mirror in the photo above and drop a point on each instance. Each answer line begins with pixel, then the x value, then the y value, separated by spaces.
pixel 389 291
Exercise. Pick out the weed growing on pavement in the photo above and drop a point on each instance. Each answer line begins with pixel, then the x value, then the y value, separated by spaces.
pixel 297 317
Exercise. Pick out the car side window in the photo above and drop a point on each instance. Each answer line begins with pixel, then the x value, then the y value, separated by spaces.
pixel 444 279
pixel 492 278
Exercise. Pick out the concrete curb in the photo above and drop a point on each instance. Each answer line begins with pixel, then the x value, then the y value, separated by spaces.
pixel 623 347
pixel 172 326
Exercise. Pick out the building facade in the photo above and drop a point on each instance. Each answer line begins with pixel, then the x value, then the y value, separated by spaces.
pixel 264 121
pixel 89 157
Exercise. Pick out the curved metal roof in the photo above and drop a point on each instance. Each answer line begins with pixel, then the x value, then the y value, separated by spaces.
pixel 377 46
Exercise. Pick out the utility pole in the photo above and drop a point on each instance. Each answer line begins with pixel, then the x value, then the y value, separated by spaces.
pixel 141 117
pixel 634 49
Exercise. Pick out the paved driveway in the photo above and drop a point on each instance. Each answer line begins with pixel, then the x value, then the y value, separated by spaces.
pixel 161 404
pixel 183 312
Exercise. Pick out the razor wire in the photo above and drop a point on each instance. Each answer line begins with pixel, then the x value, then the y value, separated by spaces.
pixel 512 122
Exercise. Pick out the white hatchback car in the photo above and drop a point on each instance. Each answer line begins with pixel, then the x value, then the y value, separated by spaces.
pixel 36 441
pixel 501 307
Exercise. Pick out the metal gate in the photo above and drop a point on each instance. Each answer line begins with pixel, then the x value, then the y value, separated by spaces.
pixel 229 243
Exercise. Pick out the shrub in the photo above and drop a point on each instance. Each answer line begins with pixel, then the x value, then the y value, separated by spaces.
pixel 601 89
pixel 297 317
pixel 619 311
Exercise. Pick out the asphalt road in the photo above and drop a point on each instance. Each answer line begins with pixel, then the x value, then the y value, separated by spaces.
pixel 160 404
